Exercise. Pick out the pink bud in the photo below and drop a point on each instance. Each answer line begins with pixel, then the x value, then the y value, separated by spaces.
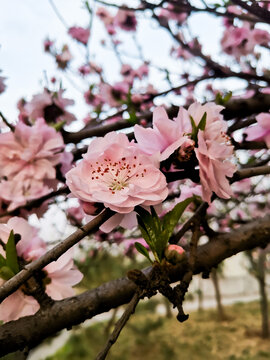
pixel 91 208
pixel 174 253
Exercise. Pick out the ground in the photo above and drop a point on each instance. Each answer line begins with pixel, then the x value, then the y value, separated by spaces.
pixel 152 337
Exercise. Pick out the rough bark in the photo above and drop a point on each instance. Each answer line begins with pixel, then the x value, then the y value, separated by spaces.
pixel 31 330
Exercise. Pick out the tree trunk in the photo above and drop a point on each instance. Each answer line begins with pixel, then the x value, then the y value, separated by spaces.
pixel 220 310
pixel 263 295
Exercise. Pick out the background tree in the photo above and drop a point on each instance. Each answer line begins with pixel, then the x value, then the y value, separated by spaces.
pixel 205 163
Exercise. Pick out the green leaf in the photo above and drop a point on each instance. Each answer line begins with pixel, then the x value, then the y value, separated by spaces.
pixel 150 230
pixel 194 127
pixel 2 261
pixel 171 219
pixel 142 249
pixel 222 100
pixel 6 273
pixel 58 126
pixel 11 254
pixel 155 220
pixel 202 122
pixel 219 99
pixel 132 118
pixel 227 97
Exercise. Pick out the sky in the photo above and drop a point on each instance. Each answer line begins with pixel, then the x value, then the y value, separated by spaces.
pixel 25 24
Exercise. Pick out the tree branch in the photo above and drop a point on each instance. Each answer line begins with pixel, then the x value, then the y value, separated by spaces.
pixel 52 255
pixel 66 313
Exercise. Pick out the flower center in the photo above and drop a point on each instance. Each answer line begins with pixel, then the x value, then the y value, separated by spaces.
pixel 116 175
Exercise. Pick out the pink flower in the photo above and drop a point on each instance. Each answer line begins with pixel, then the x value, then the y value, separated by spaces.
pixel 165 137
pixel 50 106
pixel 21 189
pixel 29 247
pixel 61 274
pixel 261 131
pixel 85 69
pixel 235 41
pixel 241 41
pixel 172 12
pixel 63 58
pixel 75 214
pixel 126 20
pixel 113 95
pixel 30 150
pixel 80 34
pixel 116 173
pixel 2 85
pixel 47 45
pixel 215 166
pixel 174 253
pixel 213 151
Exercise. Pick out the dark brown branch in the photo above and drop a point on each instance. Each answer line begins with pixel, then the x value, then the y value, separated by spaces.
pixel 255 9
pixel 37 202
pixel 235 108
pixel 17 334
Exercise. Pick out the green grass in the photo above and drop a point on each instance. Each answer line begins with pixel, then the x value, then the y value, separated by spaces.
pixel 148 336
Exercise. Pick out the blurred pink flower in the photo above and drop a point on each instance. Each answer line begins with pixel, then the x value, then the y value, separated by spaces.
pixel 63 58
pixel 80 34
pixel 261 131
pixel 2 85
pixel 21 189
pixel 30 150
pixel 49 105
pixel 85 69
pixel 126 20
pixel 61 274
pixel 114 95
pixel 115 172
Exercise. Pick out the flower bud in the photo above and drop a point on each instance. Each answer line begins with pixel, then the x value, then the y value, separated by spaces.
pixel 92 208
pixel 185 150
pixel 174 253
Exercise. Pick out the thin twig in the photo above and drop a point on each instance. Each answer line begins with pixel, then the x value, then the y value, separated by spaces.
pixel 119 326
pixel 12 127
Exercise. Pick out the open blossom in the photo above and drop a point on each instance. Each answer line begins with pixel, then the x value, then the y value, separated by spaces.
pixel 213 151
pixel 60 275
pixel 30 150
pixel 116 173
pixel 165 137
pixel 261 131
pixel 80 34
pixel 28 158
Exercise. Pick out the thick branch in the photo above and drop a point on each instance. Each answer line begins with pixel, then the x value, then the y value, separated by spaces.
pixel 234 108
pixel 16 335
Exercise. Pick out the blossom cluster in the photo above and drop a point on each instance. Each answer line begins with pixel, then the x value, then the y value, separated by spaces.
pixel 28 158
pixel 57 278
pixel 121 174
